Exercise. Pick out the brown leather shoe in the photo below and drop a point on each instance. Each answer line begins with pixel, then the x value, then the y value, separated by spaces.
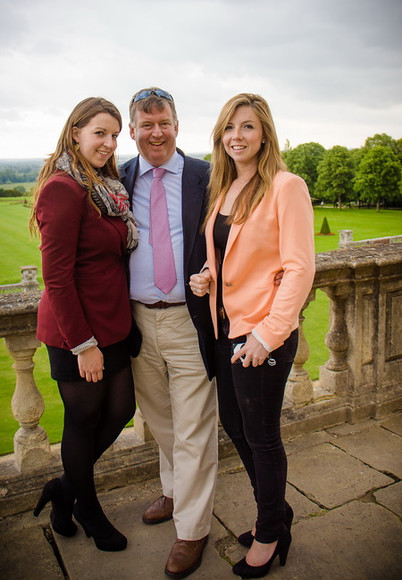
pixel 185 557
pixel 161 510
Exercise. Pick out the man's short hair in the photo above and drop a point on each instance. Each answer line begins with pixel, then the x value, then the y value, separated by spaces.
pixel 148 99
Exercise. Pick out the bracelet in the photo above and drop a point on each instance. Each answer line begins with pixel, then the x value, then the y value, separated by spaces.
pixel 85 346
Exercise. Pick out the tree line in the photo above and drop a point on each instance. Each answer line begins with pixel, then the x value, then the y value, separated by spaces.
pixel 19 170
pixel 18 191
pixel 370 175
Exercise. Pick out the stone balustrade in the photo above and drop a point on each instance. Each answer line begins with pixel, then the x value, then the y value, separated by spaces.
pixel 28 281
pixel 362 376
pixel 360 379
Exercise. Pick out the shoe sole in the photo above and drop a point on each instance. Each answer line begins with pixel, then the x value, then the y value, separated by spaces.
pixel 154 522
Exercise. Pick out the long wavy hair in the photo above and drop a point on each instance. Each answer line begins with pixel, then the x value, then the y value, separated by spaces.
pixel 223 169
pixel 80 116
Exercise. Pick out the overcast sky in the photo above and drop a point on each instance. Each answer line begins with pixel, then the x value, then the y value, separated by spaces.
pixel 331 70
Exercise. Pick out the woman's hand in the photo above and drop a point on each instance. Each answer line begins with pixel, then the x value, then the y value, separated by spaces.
pixel 90 364
pixel 252 352
pixel 199 283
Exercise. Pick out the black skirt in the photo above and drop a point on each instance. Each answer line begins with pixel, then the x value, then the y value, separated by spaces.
pixel 64 364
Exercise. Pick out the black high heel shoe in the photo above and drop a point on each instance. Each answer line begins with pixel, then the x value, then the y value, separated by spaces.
pixel 97 526
pixel 61 514
pixel 244 569
pixel 247 538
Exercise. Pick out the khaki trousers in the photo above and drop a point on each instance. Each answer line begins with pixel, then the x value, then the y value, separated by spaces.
pixel 180 406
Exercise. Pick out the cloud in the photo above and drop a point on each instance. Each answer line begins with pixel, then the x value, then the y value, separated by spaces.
pixel 331 71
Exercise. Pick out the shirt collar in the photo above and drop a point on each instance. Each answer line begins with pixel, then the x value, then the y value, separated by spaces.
pixel 172 165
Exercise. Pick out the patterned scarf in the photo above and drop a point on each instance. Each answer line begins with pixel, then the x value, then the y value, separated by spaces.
pixel 109 196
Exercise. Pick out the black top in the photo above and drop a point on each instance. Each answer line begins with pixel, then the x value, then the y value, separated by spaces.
pixel 221 234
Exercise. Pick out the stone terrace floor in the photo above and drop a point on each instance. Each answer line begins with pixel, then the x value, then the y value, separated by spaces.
pixel 343 483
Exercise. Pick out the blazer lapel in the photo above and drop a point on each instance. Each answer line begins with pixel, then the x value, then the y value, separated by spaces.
pixel 128 175
pixel 192 207
pixel 234 231
pixel 209 236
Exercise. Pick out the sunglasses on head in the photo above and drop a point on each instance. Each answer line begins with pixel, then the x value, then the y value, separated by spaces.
pixel 148 92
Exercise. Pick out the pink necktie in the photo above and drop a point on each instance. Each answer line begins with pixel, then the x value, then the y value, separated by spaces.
pixel 159 235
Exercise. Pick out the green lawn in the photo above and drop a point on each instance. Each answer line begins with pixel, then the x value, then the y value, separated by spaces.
pixel 19 250
pixel 17 246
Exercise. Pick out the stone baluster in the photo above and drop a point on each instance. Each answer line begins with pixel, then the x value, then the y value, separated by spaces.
pixel 345 237
pixel 31 444
pixel 141 427
pixel 299 388
pixel 334 375
pixel 29 277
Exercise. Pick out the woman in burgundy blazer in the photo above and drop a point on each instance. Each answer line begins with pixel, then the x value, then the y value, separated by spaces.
pixel 84 318
pixel 259 223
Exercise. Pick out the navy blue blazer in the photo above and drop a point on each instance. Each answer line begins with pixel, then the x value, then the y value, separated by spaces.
pixel 194 200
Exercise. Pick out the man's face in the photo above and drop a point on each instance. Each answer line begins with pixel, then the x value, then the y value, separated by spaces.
pixel 155 135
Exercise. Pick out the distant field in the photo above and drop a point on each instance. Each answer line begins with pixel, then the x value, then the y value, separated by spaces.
pixel 17 249
pixel 28 185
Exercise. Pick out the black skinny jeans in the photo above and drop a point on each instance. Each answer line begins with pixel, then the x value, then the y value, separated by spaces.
pixel 250 402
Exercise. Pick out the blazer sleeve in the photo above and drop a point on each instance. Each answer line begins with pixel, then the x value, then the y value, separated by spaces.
pixel 60 209
pixel 296 252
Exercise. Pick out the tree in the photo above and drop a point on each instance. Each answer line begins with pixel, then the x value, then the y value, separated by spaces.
pixel 378 177
pixel 357 155
pixel 303 160
pixel 325 229
pixel 335 176
pixel 386 141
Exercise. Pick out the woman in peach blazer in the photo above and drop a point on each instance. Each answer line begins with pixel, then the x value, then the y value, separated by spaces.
pixel 259 223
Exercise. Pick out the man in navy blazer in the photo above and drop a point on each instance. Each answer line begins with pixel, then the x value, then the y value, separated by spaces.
pixel 174 370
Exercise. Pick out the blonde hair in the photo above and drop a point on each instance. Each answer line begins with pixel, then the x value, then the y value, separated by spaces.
pixel 80 116
pixel 223 169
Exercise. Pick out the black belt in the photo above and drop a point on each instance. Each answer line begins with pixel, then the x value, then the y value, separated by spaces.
pixel 161 304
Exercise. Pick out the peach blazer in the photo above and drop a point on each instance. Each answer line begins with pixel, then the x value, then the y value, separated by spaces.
pixel 278 235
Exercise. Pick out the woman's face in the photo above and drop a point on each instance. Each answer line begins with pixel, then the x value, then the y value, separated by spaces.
pixel 242 136
pixel 98 139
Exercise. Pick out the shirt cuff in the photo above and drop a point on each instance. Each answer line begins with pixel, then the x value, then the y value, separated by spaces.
pixel 261 341
pixel 84 346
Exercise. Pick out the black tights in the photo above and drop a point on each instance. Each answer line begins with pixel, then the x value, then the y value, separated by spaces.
pixel 94 415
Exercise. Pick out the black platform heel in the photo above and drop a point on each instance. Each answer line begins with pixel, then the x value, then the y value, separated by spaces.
pixel 247 538
pixel 97 526
pixel 244 569
pixel 61 514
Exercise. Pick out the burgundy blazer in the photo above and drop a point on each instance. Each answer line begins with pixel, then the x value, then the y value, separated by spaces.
pixel 83 269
